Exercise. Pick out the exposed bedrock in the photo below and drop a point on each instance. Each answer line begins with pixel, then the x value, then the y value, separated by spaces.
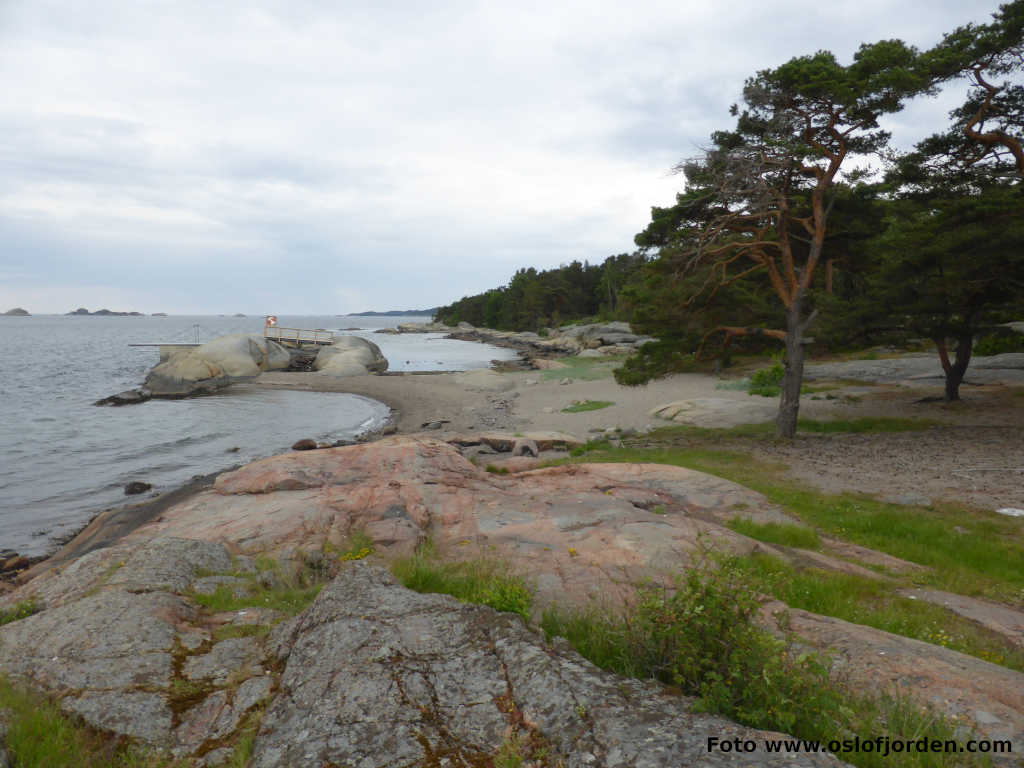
pixel 372 674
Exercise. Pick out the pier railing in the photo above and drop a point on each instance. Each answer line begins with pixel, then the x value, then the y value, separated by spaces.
pixel 297 336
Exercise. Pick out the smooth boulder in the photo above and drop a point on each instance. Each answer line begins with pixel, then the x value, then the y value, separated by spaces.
pixel 350 356
pixel 216 364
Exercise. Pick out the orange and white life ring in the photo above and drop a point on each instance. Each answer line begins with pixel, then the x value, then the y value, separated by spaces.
pixel 271 321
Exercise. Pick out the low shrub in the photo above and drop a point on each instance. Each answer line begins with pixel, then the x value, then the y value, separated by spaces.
pixel 766 382
pixel 999 342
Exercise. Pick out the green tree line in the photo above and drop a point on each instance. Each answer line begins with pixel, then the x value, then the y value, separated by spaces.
pixel 781 236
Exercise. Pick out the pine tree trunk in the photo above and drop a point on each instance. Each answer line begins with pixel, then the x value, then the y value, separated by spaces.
pixel 955 372
pixel 792 380
pixel 956 369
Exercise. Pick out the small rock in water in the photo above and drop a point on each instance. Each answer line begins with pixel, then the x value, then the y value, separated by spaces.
pixel 15 563
pixel 128 397
pixel 306 444
pixel 135 487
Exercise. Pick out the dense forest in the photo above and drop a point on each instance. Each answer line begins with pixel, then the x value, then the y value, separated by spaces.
pixel 779 238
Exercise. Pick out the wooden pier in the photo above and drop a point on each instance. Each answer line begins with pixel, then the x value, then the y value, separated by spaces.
pixel 298 337
pixel 295 338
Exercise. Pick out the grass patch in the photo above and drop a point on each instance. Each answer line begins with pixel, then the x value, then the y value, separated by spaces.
pixel 359 546
pixel 496 470
pixel 875 604
pixel 702 638
pixel 41 736
pixel 289 591
pixel 813 426
pixel 786 534
pixel 969 552
pixel 482 581
pixel 587 405
pixel 584 368
pixel 21 610
pixel 285 598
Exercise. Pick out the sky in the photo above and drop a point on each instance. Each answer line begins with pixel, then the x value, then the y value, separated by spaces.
pixel 315 157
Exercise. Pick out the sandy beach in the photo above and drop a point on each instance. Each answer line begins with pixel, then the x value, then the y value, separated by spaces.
pixel 974 454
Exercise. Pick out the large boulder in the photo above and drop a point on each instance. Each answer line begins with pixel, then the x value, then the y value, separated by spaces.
pixel 369 674
pixel 350 356
pixel 216 364
pixel 376 675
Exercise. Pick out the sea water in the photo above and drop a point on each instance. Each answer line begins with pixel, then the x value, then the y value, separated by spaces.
pixel 62 459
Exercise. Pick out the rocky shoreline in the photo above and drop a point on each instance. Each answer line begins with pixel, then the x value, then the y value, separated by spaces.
pixel 129 598
pixel 372 672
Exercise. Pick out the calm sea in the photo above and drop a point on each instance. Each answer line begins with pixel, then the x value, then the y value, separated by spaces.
pixel 62 459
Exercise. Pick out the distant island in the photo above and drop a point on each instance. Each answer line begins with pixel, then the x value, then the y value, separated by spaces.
pixel 398 313
pixel 159 314
pixel 17 312
pixel 104 313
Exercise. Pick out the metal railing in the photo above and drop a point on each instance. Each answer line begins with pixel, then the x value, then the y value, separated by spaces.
pixel 297 336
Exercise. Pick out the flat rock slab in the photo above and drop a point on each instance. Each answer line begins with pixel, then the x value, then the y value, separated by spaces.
pixel 588 531
pixel 1001 619
pixel 378 676
pixel 1007 367
pixel 987 696
pixel 718 411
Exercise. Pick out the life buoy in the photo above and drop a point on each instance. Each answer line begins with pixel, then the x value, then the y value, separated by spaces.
pixel 271 321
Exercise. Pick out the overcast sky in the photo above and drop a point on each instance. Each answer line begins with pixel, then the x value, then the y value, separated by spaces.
pixel 315 157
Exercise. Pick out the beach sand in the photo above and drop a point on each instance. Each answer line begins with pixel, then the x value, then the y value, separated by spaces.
pixel 975 455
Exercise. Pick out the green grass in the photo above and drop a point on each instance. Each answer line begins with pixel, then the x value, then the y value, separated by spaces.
pixel 966 551
pixel 587 405
pixel 874 603
pixel 288 599
pixel 290 591
pixel 785 534
pixel 584 368
pixel 21 610
pixel 41 736
pixel 831 426
pixel 702 638
pixel 358 546
pixel 482 581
